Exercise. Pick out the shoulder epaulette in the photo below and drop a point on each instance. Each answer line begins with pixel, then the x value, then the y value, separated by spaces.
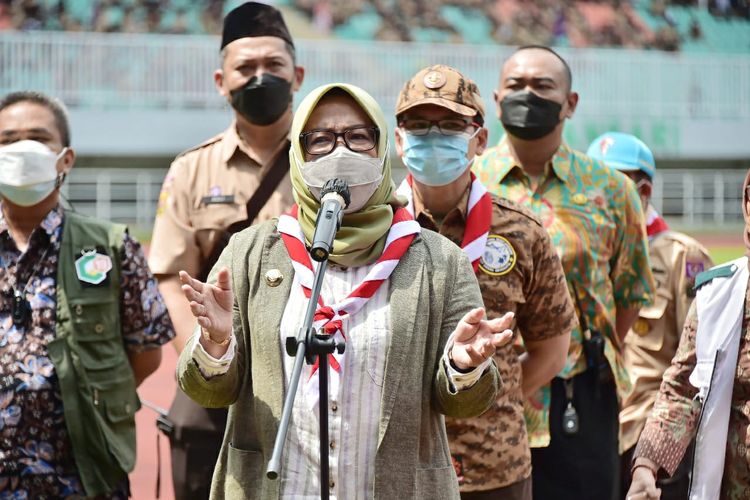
pixel 717 272
pixel 512 205
pixel 203 144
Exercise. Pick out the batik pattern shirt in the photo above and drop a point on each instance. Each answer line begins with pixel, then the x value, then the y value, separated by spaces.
pixel 36 459
pixel 594 218
pixel 492 451
pixel 674 419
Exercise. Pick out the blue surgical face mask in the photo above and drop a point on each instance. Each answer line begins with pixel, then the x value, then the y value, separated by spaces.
pixel 435 159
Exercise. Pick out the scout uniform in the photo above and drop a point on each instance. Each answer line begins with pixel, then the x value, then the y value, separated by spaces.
pixel 518 270
pixel 204 192
pixel 594 218
pixel 207 194
pixel 676 259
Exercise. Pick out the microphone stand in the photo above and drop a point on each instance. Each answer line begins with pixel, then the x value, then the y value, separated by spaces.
pixel 308 345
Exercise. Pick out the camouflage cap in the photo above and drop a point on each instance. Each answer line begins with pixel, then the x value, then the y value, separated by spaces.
pixel 443 86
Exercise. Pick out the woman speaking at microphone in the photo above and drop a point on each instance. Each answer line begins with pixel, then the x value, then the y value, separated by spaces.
pixel 404 299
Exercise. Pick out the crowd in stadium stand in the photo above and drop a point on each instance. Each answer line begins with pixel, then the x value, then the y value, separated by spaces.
pixel 582 23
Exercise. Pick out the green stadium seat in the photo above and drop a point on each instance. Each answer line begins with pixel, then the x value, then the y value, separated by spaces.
pixel 362 26
pixel 471 24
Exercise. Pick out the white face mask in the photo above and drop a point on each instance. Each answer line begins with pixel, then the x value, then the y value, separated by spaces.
pixel 363 173
pixel 28 172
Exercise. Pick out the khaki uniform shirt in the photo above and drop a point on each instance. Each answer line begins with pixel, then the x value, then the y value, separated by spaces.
pixel 206 190
pixel 492 451
pixel 676 259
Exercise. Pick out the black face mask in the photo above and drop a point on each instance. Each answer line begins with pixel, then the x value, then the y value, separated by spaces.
pixel 262 100
pixel 528 116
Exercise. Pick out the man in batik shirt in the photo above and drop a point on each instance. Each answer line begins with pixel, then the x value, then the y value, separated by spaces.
pixel 80 326
pixel 705 393
pixel 594 218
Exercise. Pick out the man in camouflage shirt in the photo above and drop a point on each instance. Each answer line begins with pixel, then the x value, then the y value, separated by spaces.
pixel 440 117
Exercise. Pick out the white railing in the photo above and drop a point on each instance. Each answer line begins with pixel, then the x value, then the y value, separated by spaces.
pixel 691 197
pixel 116 71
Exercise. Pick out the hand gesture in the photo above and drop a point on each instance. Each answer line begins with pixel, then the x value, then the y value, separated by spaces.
pixel 211 304
pixel 475 339
pixel 643 486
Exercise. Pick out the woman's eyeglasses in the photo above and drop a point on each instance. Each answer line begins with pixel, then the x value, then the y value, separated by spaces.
pixel 322 142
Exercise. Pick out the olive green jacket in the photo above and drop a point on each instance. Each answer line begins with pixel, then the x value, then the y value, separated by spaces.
pixel 430 290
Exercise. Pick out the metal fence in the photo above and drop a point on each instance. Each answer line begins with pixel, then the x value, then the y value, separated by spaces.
pixel 691 197
pixel 114 71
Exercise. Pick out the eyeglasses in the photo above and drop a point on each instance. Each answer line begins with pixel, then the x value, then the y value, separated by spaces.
pixel 357 139
pixel 448 126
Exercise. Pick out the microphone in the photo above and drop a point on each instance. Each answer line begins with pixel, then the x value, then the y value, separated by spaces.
pixel 334 198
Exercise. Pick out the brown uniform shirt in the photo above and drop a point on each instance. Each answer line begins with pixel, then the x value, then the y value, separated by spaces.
pixel 206 190
pixel 676 259
pixel 492 451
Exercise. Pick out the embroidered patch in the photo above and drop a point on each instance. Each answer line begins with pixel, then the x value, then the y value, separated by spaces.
pixel 92 267
pixel 499 257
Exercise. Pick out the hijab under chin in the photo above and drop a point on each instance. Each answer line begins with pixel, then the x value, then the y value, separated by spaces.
pixel 362 235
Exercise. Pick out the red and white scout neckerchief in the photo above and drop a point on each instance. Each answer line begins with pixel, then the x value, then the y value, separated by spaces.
pixel 478 218
pixel 328 318
pixel 654 223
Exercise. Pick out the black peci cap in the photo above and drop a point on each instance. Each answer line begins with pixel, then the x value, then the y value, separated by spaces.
pixel 254 19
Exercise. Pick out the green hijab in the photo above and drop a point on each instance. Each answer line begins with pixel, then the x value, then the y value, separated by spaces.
pixel 362 236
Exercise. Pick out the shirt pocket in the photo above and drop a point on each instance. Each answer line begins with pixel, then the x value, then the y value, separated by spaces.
pixel 243 473
pixel 216 217
pixel 210 221
pixel 648 330
pixel 377 349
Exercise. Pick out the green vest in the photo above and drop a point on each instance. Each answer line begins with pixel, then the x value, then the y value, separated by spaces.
pixel 96 380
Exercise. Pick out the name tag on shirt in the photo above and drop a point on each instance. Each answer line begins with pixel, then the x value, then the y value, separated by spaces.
pixel 222 199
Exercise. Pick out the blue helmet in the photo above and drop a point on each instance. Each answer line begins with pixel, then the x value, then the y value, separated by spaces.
pixel 624 152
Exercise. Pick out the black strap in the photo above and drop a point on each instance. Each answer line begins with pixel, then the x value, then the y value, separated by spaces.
pixel 254 205
pixel 267 186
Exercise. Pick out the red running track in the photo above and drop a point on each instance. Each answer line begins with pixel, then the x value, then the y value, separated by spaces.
pixel 158 389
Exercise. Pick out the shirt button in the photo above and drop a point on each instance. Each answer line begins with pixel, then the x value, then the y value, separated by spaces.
pixel 334 406
pixel 333 445
pixel 331 484
pixel 99 328
pixel 79 309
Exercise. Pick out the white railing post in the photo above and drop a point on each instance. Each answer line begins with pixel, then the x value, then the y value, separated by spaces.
pixel 103 194
pixel 688 198
pixel 719 198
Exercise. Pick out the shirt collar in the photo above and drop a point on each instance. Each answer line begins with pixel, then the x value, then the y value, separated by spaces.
pixel 50 224
pixel 507 162
pixel 421 213
pixel 232 142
